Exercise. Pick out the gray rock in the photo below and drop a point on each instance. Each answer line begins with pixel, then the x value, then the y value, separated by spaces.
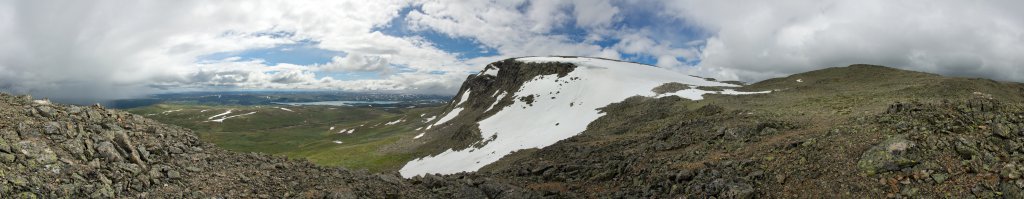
pixel 1010 171
pixel 26 131
pixel 155 173
pixel 390 178
pixel 143 153
pixel 1003 131
pixel 38 151
pixel 7 158
pixel 739 190
pixel 74 109
pixel 939 177
pixel 52 128
pixel 106 150
pixel 889 155
pixel 5 147
pixel 46 111
pixel 173 174
pixel 175 150
pixel 684 175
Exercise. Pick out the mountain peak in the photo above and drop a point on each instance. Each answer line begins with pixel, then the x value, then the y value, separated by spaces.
pixel 534 102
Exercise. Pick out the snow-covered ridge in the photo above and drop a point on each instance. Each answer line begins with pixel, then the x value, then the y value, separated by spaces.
pixel 562 107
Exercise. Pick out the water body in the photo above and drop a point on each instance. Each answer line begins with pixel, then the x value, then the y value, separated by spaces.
pixel 338 103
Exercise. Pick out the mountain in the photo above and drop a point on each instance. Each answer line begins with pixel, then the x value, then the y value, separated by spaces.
pixel 575 127
pixel 66 151
pixel 533 102
pixel 853 131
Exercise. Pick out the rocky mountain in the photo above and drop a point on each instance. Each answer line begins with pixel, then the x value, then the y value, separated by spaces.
pixel 855 131
pixel 533 102
pixel 571 127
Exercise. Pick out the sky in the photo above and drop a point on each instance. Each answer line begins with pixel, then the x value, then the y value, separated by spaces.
pixel 95 50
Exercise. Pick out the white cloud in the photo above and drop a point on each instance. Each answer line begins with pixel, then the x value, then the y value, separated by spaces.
pixel 91 50
pixel 770 39
pixel 356 62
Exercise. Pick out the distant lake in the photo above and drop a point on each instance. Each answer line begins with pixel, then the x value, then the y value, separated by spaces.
pixel 336 103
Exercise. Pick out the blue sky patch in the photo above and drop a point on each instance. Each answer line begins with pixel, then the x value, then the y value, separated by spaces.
pixel 465 48
pixel 299 53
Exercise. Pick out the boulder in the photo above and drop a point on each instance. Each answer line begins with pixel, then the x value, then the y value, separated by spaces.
pixel 890 155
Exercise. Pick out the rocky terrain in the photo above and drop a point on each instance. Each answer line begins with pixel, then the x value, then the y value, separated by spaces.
pixel 859 131
pixel 849 132
pixel 66 151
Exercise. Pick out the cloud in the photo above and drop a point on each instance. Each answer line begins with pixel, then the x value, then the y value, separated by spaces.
pixel 772 39
pixel 293 76
pixel 84 51
pixel 356 62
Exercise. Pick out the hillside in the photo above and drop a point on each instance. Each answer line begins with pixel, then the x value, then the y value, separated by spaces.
pixel 345 136
pixel 66 151
pixel 534 102
pixel 854 131
pixel 573 127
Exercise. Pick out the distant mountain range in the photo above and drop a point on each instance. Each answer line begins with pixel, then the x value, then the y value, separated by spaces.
pixel 274 97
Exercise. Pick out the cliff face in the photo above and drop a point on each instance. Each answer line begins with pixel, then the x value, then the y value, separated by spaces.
pixel 56 151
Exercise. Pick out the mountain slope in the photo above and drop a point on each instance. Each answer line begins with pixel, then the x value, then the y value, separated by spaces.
pixel 845 132
pixel 534 102
pixel 66 151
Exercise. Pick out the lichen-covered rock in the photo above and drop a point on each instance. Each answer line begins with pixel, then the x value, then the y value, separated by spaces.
pixel 889 155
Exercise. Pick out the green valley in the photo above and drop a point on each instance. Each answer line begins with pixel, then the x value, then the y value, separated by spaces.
pixel 351 137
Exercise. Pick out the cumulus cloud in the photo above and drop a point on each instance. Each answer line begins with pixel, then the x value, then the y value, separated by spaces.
pixel 84 51
pixel 355 62
pixel 770 39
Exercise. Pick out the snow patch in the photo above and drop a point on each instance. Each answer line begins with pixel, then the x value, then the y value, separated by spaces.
pixel 418 136
pixel 170 111
pixel 451 115
pixel 228 117
pixel 594 83
pixel 465 96
pixel 800 80
pixel 697 94
pixel 338 142
pixel 41 102
pixel 286 109
pixel 218 115
pixel 496 100
pixel 489 71
pixel 347 131
pixel 394 122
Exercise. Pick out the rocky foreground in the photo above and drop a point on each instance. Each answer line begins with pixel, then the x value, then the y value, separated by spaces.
pixel 66 151
pixel 849 132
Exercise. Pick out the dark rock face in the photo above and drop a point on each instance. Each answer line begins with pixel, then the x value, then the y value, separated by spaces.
pixel 62 151
pixel 483 90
